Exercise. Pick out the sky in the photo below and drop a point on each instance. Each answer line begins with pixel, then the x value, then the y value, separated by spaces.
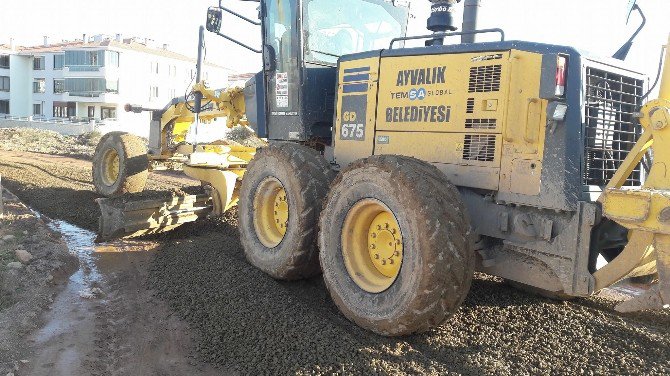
pixel 597 26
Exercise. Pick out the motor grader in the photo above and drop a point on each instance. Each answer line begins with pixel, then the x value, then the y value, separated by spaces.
pixel 397 172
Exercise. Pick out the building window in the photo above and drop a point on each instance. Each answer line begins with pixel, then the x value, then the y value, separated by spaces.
pixel 84 58
pixel 38 63
pixel 173 93
pixel 91 112
pixel 153 92
pixel 65 109
pixel 4 107
pixel 58 62
pixel 39 85
pixel 154 67
pixel 108 113
pixel 4 61
pixel 90 87
pixel 59 86
pixel 112 59
pixel 60 110
pixel 4 83
pixel 37 109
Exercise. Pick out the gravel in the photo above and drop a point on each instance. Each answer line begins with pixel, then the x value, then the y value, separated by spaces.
pixel 245 321
pixel 49 142
pixel 251 323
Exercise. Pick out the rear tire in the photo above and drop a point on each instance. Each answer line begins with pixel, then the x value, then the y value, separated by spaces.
pixel 120 164
pixel 297 179
pixel 437 259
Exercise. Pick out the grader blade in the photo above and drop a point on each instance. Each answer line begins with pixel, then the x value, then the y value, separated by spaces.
pixel 127 218
pixel 658 296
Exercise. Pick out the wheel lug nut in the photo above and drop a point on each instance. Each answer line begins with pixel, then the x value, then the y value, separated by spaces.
pixel 391 261
pixel 376 256
pixel 393 231
pixel 379 227
pixel 383 262
pixel 386 225
pixel 396 253
pixel 374 235
pixel 390 244
pixel 372 246
pixel 397 242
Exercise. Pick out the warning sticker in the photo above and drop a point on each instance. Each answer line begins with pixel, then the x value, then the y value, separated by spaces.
pixel 281 89
pixel 282 100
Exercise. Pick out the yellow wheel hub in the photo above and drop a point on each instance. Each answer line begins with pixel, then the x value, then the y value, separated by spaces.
pixel 372 245
pixel 270 212
pixel 111 167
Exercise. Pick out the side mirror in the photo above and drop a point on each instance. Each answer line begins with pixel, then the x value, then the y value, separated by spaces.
pixel 629 9
pixel 214 16
pixel 269 58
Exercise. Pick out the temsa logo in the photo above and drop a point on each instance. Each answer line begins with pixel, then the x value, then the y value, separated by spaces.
pixel 349 116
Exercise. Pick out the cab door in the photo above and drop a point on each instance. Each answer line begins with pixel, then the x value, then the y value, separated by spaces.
pixel 282 73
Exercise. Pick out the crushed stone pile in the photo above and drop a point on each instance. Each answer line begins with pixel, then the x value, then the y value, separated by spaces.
pixel 48 142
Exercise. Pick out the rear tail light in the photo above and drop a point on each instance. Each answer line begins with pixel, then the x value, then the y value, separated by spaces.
pixel 561 71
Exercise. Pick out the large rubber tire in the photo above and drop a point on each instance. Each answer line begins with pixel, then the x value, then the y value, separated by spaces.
pixel 133 164
pixel 306 177
pixel 438 251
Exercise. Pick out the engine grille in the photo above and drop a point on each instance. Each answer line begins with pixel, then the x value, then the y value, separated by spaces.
pixel 610 128
pixel 485 78
pixel 481 123
pixel 479 147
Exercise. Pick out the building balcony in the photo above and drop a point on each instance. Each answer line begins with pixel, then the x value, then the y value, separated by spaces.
pixel 88 71
pixel 91 97
pixel 83 68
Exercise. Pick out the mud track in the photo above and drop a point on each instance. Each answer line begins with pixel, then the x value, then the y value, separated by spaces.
pixel 246 322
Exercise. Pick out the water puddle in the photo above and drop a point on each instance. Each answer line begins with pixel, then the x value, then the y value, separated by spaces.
pixel 81 243
pixel 79 312
pixel 68 309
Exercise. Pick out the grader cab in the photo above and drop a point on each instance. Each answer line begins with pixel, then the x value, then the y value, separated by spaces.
pixel 396 172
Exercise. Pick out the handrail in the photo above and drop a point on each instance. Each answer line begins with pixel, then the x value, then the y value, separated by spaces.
pixel 450 34
pixel 64 121
pixel 256 23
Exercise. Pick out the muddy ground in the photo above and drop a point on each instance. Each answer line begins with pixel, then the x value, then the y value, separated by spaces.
pixel 34 267
pixel 242 321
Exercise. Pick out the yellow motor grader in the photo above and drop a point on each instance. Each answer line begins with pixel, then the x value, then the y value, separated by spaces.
pixel 396 171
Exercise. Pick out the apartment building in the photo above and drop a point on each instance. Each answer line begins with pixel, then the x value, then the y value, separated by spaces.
pixel 93 78
pixel 5 81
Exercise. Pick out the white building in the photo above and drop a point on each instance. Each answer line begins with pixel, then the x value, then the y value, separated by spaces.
pixel 92 79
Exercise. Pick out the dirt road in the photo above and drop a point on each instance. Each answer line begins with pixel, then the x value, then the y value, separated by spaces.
pixel 246 322
pixel 106 321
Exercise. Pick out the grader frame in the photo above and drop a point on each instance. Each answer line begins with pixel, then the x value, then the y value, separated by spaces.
pixel 521 224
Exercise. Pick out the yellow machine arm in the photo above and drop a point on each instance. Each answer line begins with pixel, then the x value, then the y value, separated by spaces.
pixel 220 166
pixel 228 103
pixel 644 211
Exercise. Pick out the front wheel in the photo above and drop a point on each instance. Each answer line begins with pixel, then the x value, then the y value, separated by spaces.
pixel 120 164
pixel 395 245
pixel 280 201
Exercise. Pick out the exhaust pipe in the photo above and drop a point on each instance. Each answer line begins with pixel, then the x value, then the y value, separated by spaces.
pixel 470 15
